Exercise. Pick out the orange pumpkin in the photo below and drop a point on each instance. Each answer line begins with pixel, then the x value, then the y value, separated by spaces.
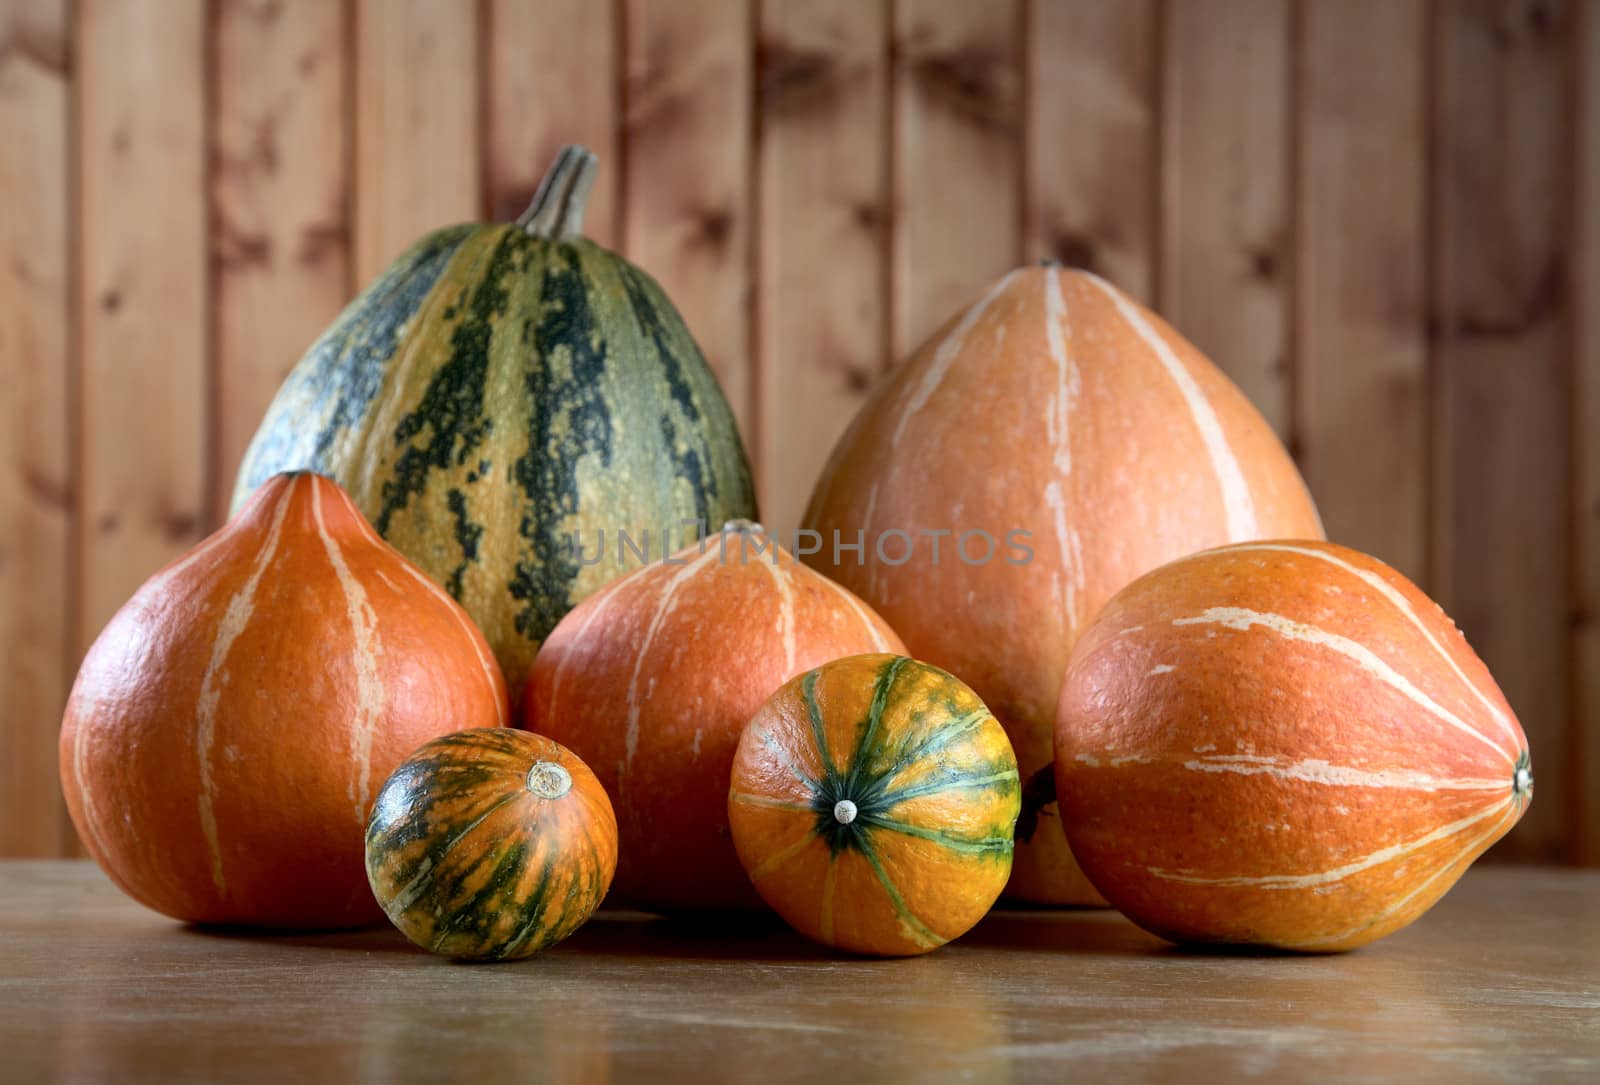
pixel 652 679
pixel 873 804
pixel 229 728
pixel 1285 744
pixel 1088 443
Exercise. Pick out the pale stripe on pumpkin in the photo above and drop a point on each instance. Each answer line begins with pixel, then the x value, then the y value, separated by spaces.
pixel 781 579
pixel 1242 619
pixel 598 603
pixel 1236 499
pixel 663 608
pixel 1071 571
pixel 472 635
pixel 1339 873
pixel 370 695
pixel 1400 603
pixel 867 623
pixel 1056 418
pixel 1466 854
pixel 1314 771
pixel 234 619
pixel 945 355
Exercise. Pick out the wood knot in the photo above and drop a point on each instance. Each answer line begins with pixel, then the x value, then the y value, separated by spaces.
pixel 1076 251
pixel 714 227
pixel 972 83
pixel 793 80
pixel 179 526
pixel 869 216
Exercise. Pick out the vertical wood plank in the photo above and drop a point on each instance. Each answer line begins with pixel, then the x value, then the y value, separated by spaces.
pixel 142 294
pixel 957 92
pixel 823 81
pixel 1501 187
pixel 686 192
pixel 1225 190
pixel 36 475
pixel 279 236
pixel 1360 274
pixel 1091 138
pixel 416 140
pixel 1585 716
pixel 553 72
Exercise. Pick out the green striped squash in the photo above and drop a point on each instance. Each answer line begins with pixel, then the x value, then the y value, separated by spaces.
pixel 491 844
pixel 873 803
pixel 501 393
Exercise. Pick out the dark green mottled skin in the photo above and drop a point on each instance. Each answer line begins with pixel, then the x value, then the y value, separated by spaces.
pixel 431 831
pixel 544 387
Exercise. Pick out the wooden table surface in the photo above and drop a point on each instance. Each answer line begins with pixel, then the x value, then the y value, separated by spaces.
pixel 1501 982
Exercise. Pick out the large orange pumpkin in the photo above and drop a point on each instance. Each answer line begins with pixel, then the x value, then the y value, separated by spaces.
pixel 1066 440
pixel 1282 743
pixel 873 804
pixel 651 681
pixel 230 727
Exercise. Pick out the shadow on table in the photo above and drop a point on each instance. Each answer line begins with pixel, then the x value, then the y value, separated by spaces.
pixel 373 939
pixel 763 937
pixel 1065 930
pixel 742 936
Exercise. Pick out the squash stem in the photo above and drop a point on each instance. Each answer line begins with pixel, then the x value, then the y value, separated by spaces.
pixel 556 212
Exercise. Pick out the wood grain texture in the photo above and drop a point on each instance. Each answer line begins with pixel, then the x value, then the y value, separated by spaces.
pixel 1091 138
pixel 416 139
pixel 1361 249
pixel 823 183
pixel 1225 192
pixel 1502 198
pixel 142 294
pixel 1585 717
pixel 278 193
pixel 36 482
pixel 552 73
pixel 687 179
pixel 1249 164
pixel 1495 984
pixel 957 169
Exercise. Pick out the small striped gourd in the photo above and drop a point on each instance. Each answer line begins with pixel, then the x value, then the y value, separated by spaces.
pixel 1284 744
pixel 491 845
pixel 229 728
pixel 501 396
pixel 873 802
pixel 1064 440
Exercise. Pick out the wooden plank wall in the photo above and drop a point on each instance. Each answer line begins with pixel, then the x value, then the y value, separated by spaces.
pixel 1382 217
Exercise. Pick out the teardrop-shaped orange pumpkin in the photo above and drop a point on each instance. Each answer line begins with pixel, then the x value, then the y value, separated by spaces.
pixel 230 727
pixel 1284 744
pixel 1064 439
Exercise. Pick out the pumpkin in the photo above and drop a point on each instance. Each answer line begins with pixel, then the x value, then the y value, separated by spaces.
pixel 491 845
pixel 503 403
pixel 873 802
pixel 651 682
pixel 1063 440
pixel 229 728
pixel 1282 744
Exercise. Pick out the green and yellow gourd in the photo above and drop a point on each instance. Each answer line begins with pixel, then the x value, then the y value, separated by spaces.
pixel 499 397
